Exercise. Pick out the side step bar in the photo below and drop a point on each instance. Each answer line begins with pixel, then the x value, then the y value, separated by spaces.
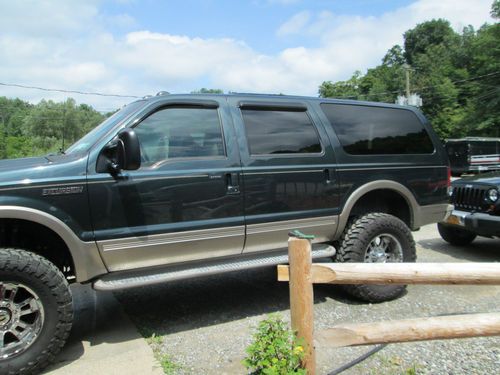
pixel 132 279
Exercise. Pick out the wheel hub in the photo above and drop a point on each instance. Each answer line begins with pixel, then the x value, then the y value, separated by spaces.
pixel 378 255
pixel 21 318
pixel 384 248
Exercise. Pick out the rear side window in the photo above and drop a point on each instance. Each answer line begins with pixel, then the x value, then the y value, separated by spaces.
pixel 280 132
pixel 364 130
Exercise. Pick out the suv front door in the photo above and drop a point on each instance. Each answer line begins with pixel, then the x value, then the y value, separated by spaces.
pixel 184 202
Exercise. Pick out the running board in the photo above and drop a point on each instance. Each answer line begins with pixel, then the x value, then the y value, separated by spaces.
pixel 132 279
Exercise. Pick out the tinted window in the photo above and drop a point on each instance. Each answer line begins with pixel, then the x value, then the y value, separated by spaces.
pixel 280 132
pixel 180 133
pixel 484 148
pixel 364 130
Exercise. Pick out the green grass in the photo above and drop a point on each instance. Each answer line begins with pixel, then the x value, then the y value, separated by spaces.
pixel 167 364
pixel 165 360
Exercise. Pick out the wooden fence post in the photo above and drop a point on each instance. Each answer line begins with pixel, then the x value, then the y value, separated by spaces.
pixel 301 298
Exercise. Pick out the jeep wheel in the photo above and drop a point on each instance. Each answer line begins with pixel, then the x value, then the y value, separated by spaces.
pixel 455 236
pixel 376 238
pixel 35 312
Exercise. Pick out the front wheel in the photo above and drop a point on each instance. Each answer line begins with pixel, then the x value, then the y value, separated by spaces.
pixel 376 238
pixel 35 312
pixel 455 236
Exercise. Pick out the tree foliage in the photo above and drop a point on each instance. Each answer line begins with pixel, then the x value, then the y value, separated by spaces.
pixel 495 9
pixel 204 90
pixel 27 129
pixel 456 74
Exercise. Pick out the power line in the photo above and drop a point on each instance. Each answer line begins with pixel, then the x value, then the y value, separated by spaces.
pixel 67 91
pixel 13 109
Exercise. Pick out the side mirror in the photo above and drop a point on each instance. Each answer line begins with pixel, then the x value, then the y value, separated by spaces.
pixel 122 153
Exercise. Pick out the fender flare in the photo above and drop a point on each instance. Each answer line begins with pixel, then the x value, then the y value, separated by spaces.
pixel 378 185
pixel 85 255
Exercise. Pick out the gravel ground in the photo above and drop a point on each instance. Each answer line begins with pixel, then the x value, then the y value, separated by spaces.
pixel 206 323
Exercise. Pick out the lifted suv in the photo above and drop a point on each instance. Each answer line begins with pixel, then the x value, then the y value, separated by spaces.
pixel 178 186
pixel 477 209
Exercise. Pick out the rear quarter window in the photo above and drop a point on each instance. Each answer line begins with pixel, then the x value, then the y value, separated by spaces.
pixel 365 130
pixel 280 132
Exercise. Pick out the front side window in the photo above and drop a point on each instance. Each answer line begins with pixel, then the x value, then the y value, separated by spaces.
pixel 365 130
pixel 280 132
pixel 175 133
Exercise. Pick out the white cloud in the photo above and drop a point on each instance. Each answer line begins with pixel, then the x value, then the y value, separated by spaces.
pixel 52 44
pixel 295 24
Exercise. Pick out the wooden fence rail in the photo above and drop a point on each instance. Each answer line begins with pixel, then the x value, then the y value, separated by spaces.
pixel 436 328
pixel 401 273
pixel 301 275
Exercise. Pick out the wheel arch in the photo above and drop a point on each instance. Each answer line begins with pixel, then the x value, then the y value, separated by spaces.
pixel 373 187
pixel 84 255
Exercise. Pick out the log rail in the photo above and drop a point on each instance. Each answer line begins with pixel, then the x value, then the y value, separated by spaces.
pixel 302 274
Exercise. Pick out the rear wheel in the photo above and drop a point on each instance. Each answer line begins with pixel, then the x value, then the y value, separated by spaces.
pixel 455 236
pixel 35 312
pixel 376 238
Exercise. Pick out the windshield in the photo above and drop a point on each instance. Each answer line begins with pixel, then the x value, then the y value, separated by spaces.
pixel 95 134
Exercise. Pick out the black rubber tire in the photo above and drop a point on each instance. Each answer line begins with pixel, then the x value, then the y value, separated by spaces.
pixel 45 279
pixel 353 246
pixel 455 236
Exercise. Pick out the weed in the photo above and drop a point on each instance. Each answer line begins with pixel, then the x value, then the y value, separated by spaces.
pixel 275 349
pixel 167 364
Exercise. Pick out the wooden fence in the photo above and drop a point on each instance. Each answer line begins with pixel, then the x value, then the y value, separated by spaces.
pixel 302 274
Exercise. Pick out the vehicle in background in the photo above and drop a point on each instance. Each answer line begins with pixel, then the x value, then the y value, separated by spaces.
pixel 473 155
pixel 477 209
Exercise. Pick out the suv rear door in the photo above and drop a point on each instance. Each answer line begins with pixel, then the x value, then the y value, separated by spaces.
pixel 288 169
pixel 184 202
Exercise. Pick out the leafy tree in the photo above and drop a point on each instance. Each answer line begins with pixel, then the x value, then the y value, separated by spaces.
pixel 425 35
pixel 484 117
pixel 457 76
pixel 343 89
pixel 495 9
pixel 394 57
pixel 208 91
pixel 27 129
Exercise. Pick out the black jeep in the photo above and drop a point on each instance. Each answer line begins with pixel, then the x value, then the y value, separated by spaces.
pixel 477 209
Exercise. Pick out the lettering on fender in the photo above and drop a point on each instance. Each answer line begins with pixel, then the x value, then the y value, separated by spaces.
pixel 62 190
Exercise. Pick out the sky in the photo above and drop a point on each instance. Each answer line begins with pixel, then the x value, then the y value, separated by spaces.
pixel 136 48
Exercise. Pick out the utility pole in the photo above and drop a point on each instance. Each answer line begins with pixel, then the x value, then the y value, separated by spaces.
pixel 409 98
pixel 63 127
pixel 3 138
pixel 407 68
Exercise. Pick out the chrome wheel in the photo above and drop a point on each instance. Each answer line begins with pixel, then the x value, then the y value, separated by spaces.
pixel 384 248
pixel 21 318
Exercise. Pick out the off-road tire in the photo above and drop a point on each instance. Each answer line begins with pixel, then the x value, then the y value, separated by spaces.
pixel 353 247
pixel 49 284
pixel 455 236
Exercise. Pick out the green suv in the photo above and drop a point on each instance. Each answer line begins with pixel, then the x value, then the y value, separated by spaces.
pixel 178 186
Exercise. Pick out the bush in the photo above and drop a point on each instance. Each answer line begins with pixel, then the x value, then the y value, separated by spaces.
pixel 275 349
